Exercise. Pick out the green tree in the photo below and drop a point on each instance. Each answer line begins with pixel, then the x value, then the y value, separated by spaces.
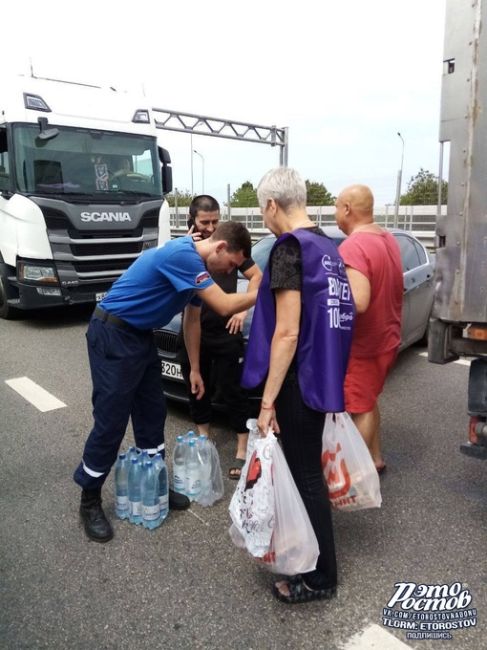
pixel 423 189
pixel 318 194
pixel 244 197
pixel 184 198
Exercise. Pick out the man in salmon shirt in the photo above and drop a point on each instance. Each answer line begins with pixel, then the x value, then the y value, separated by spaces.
pixel 374 269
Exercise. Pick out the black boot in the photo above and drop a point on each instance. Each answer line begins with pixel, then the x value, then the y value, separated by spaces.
pixel 178 501
pixel 97 526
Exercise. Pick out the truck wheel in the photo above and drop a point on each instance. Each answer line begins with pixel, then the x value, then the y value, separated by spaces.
pixel 6 311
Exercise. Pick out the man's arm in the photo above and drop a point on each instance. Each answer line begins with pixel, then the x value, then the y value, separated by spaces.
pixel 254 276
pixel 192 340
pixel 226 304
pixel 360 286
pixel 283 349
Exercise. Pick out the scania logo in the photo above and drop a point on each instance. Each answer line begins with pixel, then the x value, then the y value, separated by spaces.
pixel 105 216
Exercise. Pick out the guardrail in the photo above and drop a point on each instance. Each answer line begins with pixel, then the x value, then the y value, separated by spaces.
pixel 419 220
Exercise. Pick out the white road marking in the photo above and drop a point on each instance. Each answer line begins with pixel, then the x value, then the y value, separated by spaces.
pixel 461 362
pixel 198 517
pixel 35 394
pixel 374 637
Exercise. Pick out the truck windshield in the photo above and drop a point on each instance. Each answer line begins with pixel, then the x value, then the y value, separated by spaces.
pixel 87 162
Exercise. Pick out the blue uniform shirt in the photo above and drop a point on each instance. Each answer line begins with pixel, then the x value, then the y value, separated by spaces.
pixel 158 285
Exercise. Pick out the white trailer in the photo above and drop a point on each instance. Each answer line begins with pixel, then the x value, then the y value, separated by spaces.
pixel 82 185
pixel 459 326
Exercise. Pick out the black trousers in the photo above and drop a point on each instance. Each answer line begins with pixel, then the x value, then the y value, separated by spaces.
pixel 127 383
pixel 301 436
pixel 219 364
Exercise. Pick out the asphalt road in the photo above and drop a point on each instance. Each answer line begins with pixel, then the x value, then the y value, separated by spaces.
pixel 185 585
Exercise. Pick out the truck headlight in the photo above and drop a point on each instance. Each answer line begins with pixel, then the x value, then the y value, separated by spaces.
pixel 37 273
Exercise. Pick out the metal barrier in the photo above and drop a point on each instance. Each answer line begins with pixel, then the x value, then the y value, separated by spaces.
pixel 419 220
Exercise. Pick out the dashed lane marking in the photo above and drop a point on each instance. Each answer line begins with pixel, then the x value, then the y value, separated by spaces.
pixel 35 394
pixel 461 362
pixel 375 637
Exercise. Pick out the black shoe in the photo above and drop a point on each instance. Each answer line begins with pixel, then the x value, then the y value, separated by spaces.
pixel 178 501
pixel 97 526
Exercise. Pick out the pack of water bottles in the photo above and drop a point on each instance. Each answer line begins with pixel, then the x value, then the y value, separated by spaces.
pixel 141 488
pixel 196 469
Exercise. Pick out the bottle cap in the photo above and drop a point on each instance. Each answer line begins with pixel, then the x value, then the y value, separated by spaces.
pixel 135 460
pixel 122 456
pixel 179 439
pixel 192 443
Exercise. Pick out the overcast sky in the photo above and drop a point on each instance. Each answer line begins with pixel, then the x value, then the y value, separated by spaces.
pixel 344 75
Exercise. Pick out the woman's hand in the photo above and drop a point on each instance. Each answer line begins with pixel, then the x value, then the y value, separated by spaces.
pixel 267 421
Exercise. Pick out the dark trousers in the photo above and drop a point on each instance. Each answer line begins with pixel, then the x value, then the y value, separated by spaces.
pixel 219 359
pixel 127 382
pixel 301 436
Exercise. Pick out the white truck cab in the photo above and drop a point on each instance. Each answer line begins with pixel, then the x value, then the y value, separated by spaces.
pixel 82 185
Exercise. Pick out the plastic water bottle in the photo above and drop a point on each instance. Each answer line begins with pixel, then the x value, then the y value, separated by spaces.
pixel 205 459
pixel 179 466
pixel 149 487
pixel 193 471
pixel 135 495
pixel 161 471
pixel 122 487
pixel 144 457
pixel 132 453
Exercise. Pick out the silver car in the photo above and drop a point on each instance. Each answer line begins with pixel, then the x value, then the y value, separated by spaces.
pixel 418 270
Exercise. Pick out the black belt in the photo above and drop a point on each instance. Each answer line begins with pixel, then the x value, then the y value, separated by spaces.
pixel 106 317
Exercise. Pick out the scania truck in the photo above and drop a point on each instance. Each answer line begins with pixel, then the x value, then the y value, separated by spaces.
pixel 459 323
pixel 82 185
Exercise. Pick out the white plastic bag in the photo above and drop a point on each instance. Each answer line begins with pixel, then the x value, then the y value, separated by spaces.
pixel 348 468
pixel 268 514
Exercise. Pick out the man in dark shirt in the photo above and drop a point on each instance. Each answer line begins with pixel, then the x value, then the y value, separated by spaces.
pixel 221 349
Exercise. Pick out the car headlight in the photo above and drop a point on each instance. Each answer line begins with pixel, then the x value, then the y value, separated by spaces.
pixel 36 273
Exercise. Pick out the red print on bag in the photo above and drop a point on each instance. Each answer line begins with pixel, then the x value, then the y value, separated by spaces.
pixel 254 472
pixel 336 473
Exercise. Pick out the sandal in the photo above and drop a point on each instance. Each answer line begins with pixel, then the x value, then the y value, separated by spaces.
pixel 236 470
pixel 300 593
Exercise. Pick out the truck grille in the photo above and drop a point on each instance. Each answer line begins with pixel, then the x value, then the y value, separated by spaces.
pixel 107 253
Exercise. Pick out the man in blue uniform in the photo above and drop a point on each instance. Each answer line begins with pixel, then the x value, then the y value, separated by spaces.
pixel 124 364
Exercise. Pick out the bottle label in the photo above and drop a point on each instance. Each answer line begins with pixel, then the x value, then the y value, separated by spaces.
pixel 164 501
pixel 136 508
pixel 179 483
pixel 194 485
pixel 150 513
pixel 122 503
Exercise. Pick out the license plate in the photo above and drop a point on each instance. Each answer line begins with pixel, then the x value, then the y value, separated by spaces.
pixel 100 295
pixel 171 370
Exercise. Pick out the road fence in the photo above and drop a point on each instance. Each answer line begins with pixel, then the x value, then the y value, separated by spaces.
pixel 420 220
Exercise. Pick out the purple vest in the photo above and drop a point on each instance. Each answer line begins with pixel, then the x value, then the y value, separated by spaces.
pixel 325 336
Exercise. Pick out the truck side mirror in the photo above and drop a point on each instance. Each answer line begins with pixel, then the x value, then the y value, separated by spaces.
pixel 166 170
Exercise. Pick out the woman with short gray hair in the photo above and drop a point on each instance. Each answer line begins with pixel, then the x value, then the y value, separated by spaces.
pixel 301 352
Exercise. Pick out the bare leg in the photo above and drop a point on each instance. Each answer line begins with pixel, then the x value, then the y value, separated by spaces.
pixel 204 429
pixel 369 426
pixel 242 445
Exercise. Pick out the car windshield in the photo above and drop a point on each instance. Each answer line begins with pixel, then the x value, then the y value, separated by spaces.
pixel 262 248
pixel 86 162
